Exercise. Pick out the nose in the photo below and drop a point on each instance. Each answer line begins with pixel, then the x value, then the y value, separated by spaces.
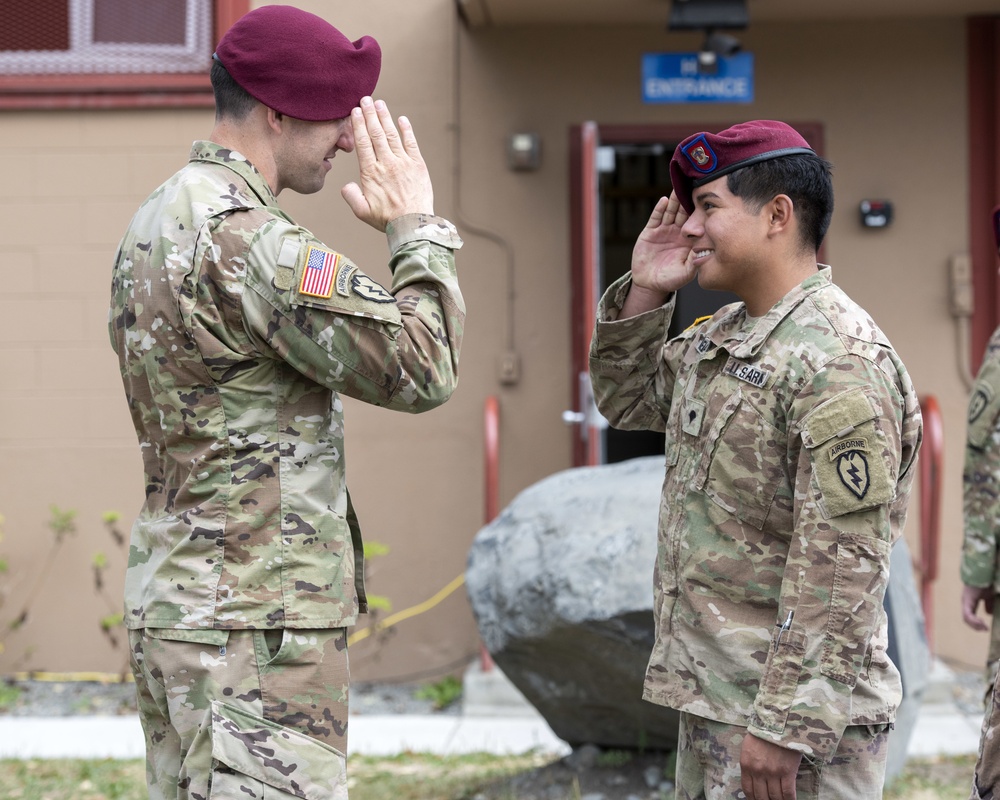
pixel 692 227
pixel 346 139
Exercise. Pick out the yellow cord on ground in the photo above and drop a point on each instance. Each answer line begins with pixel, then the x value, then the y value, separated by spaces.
pixel 73 677
pixel 357 636
pixel 406 613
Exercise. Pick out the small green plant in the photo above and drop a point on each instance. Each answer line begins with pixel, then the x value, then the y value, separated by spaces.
pixel 615 759
pixel 442 693
pixel 111 624
pixel 9 694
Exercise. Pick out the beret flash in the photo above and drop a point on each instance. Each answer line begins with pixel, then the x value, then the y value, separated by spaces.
pixel 298 63
pixel 703 157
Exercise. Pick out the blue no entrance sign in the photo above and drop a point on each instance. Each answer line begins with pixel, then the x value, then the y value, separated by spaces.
pixel 674 78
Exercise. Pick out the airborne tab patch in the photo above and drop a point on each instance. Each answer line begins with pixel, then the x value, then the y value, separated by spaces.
pixel 319 273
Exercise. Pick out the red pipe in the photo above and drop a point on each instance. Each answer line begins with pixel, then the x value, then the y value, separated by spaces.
pixel 491 455
pixel 931 474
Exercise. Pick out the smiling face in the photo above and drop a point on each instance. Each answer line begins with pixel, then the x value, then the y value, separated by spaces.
pixel 306 149
pixel 727 240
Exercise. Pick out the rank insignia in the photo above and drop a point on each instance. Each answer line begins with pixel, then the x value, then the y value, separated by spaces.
pixel 367 288
pixel 852 467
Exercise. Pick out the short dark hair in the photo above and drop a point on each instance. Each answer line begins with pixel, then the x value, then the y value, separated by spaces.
pixel 232 101
pixel 804 177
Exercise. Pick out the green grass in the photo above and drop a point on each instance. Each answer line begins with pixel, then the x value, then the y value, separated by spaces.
pixel 940 778
pixel 38 779
pixel 404 777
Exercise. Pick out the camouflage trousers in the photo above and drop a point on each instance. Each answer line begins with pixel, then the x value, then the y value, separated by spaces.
pixel 708 763
pixel 246 714
pixel 993 656
pixel 986 784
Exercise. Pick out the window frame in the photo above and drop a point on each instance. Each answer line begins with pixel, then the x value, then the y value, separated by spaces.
pixel 122 90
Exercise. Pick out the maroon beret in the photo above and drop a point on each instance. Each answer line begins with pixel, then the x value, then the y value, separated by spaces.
pixel 703 157
pixel 298 63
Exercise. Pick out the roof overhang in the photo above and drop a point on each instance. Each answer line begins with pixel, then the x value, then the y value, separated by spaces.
pixel 502 13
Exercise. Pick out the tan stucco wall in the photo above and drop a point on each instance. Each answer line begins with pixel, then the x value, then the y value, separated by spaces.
pixel 890 95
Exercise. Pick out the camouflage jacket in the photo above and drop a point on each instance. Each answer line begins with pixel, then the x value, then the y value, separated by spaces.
pixel 981 477
pixel 237 331
pixel 790 444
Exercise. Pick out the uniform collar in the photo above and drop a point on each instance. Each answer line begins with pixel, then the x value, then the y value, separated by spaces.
pixel 728 332
pixel 213 153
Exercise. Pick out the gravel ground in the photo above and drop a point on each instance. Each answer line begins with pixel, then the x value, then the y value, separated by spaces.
pixel 67 698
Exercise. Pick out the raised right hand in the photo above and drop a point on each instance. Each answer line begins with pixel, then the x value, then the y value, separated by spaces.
pixel 661 258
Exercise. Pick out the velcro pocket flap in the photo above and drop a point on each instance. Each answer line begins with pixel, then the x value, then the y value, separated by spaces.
pixel 277 756
pixel 836 417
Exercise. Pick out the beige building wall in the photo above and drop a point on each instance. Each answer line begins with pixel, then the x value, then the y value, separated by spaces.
pixel 891 98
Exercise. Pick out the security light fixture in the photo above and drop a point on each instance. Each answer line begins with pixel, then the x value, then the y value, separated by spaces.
pixel 709 16
pixel 716 44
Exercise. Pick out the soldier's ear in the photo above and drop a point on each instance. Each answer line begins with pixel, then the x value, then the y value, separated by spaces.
pixel 781 214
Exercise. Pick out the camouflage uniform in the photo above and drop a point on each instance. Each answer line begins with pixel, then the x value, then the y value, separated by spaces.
pixel 986 783
pixel 789 453
pixel 981 544
pixel 237 331
pixel 981 479
pixel 708 763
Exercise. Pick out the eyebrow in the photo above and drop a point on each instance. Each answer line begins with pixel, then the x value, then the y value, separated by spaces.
pixel 704 196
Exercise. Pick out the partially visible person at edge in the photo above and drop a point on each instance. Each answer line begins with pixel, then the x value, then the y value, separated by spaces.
pixel 237 332
pixel 981 545
pixel 792 428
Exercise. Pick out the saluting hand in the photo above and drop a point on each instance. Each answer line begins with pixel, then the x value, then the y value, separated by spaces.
pixel 661 259
pixel 394 179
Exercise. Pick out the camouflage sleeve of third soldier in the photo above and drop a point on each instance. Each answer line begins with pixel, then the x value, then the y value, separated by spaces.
pixel 846 457
pixel 981 477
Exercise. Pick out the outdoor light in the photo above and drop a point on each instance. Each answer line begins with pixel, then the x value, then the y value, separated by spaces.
pixel 524 151
pixel 716 44
pixel 709 16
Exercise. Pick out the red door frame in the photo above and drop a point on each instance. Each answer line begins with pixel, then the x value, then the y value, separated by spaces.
pixel 584 245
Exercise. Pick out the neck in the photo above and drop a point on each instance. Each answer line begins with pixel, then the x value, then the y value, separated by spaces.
pixel 245 138
pixel 779 281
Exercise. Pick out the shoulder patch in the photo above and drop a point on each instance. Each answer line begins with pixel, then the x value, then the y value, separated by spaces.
pixel 319 273
pixel 978 402
pixel 850 469
pixel 368 289
pixel 984 404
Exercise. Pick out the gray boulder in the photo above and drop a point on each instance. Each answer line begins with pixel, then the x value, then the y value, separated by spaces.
pixel 561 587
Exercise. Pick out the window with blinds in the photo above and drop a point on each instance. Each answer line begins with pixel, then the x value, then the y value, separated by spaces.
pixel 51 37
pixel 66 53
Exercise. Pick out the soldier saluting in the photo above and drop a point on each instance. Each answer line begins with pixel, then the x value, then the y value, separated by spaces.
pixel 792 429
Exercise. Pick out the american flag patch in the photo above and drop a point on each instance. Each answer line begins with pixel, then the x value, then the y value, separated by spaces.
pixel 319 273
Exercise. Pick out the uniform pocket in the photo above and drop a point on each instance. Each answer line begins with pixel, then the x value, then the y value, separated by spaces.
pixel 746 467
pixel 859 583
pixel 780 681
pixel 254 757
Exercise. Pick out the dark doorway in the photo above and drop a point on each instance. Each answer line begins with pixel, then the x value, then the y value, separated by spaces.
pixel 631 178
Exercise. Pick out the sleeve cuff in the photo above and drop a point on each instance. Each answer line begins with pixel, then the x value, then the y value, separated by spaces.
pixel 422 227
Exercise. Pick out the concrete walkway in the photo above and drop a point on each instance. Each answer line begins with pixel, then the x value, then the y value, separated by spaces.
pixel 494 721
